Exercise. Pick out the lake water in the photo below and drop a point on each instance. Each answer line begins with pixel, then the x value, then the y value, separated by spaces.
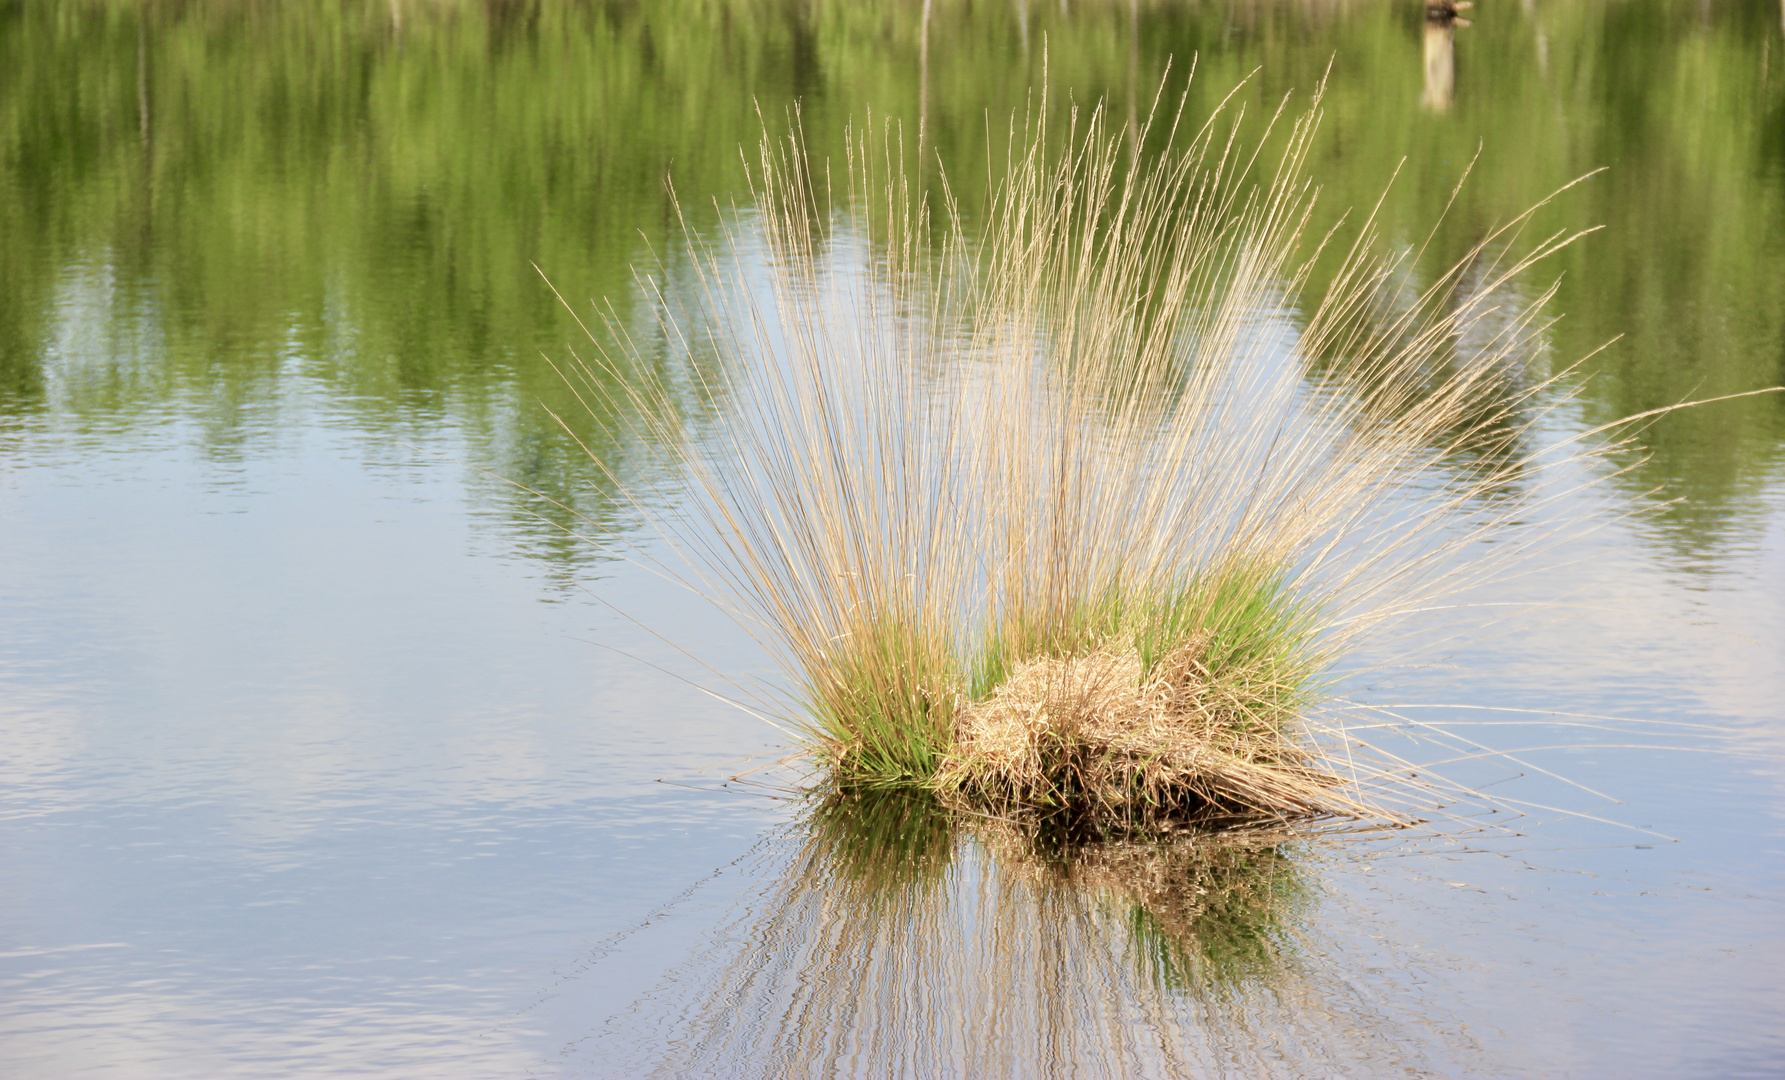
pixel 324 752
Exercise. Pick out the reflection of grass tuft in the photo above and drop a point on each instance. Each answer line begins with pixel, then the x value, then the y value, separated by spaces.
pixel 1227 921
pixel 1202 910
pixel 905 938
pixel 883 838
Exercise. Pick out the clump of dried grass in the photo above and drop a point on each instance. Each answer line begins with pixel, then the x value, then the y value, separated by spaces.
pixel 1097 733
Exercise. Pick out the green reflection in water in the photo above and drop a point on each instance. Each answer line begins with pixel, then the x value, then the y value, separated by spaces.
pixel 207 204
pixel 1201 909
pixel 1203 912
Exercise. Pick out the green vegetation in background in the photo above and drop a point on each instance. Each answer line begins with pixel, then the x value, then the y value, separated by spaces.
pixel 201 200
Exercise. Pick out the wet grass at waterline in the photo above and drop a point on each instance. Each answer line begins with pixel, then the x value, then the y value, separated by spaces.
pixel 1078 503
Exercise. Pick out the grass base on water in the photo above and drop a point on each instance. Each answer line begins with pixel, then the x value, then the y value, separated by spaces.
pixel 1175 701
pixel 1091 732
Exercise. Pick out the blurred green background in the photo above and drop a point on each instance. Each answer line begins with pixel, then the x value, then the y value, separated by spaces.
pixel 207 204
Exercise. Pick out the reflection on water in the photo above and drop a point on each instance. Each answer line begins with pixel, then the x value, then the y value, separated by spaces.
pixel 1441 58
pixel 1204 912
pixel 898 939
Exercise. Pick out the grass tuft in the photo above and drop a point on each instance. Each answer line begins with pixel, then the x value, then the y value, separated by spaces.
pixel 1079 503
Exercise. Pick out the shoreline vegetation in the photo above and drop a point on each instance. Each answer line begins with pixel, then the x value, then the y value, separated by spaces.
pixel 1077 502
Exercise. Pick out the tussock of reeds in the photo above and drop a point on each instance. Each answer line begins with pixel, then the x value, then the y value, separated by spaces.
pixel 1081 504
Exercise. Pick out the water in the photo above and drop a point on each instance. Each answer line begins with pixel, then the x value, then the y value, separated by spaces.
pixel 319 757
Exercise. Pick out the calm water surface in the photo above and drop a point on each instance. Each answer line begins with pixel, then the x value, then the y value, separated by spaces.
pixel 323 753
